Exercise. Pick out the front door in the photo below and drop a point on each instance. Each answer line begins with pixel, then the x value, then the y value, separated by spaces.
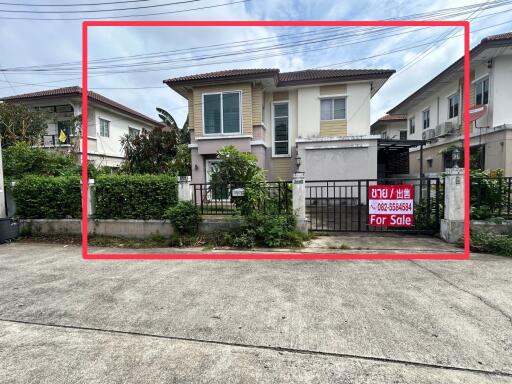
pixel 215 192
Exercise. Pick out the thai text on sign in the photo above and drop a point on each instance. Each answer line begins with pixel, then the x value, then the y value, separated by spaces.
pixel 390 205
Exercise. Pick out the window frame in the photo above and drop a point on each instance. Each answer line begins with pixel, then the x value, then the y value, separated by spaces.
pixel 412 127
pixel 100 131
pixel 423 118
pixel 400 134
pixel 479 84
pixel 450 107
pixel 332 98
pixel 135 129
pixel 221 133
pixel 274 103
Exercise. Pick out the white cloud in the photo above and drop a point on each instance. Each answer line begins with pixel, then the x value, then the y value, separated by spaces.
pixel 34 43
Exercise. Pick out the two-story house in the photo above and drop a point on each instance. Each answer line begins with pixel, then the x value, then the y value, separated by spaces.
pixel 434 112
pixel 316 119
pixel 108 121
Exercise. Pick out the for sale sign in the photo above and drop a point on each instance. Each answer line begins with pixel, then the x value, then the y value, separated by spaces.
pixel 390 205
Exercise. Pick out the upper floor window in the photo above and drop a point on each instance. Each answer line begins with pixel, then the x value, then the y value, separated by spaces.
pixel 453 106
pixel 281 132
pixel 412 125
pixel 133 132
pixel 426 118
pixel 221 113
pixel 333 108
pixel 104 128
pixel 482 91
pixel 403 135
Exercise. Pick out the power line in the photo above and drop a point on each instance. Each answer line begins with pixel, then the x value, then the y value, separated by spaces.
pixel 125 16
pixel 320 67
pixel 102 10
pixel 447 12
pixel 72 4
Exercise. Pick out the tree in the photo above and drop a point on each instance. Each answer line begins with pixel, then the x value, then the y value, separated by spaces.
pixel 239 170
pixel 183 134
pixel 21 123
pixel 236 167
pixel 151 152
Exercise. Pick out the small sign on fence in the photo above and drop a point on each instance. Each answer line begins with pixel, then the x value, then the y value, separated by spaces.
pixel 238 192
pixel 391 205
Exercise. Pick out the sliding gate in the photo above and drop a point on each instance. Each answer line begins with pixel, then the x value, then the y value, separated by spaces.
pixel 342 205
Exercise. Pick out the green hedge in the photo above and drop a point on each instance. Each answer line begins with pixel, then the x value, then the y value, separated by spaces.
pixel 42 197
pixel 134 196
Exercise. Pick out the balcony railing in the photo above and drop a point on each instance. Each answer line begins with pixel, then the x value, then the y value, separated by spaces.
pixel 53 141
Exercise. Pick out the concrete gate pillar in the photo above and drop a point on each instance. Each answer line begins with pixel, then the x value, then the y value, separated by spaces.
pixel 452 226
pixel 90 198
pixel 184 188
pixel 299 201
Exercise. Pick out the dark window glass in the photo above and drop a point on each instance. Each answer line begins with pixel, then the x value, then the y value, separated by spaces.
pixel 212 113
pixel 231 112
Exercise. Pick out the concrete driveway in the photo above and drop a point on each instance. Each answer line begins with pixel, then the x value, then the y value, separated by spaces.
pixel 65 320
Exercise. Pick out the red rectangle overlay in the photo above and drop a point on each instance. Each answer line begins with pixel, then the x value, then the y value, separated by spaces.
pixel 391 205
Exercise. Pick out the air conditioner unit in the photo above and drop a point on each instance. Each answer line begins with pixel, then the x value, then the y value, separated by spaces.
pixel 444 129
pixel 428 134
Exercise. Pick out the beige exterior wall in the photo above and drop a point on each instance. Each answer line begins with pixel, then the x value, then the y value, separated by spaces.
pixel 257 105
pixel 247 110
pixel 333 128
pixel 280 168
pixel 498 153
pixel 337 89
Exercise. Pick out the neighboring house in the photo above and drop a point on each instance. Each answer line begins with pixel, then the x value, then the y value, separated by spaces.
pixel 320 116
pixel 108 121
pixel 393 127
pixel 434 112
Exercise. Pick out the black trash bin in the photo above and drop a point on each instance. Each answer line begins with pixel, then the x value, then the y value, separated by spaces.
pixel 9 230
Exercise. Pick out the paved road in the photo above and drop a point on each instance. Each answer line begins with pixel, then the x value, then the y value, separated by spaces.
pixel 65 320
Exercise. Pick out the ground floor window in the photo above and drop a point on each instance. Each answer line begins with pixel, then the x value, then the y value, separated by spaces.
pixel 477 157
pixel 403 135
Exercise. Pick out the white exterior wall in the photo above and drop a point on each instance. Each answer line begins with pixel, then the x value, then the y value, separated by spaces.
pixel 439 110
pixel 309 112
pixel 358 109
pixel 501 91
pixel 391 129
pixel 119 124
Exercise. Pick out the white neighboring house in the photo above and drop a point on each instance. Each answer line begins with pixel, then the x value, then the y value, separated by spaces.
pixel 434 112
pixel 108 121
pixel 392 127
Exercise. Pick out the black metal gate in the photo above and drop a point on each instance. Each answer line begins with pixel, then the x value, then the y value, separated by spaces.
pixel 342 205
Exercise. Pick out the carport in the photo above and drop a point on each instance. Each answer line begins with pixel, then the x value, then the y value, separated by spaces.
pixel 393 157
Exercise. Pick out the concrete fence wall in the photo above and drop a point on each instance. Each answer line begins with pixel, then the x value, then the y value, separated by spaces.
pixel 132 229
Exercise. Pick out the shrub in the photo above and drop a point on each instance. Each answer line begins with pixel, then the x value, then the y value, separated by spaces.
pixel 491 243
pixel 22 160
pixel 39 197
pixel 134 196
pixel 272 230
pixel 184 217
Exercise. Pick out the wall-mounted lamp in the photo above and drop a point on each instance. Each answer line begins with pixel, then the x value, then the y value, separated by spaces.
pixel 298 162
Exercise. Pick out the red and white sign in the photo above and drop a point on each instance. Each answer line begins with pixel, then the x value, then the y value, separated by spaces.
pixel 390 205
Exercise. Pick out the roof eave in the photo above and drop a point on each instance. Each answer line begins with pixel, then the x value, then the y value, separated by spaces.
pixel 485 44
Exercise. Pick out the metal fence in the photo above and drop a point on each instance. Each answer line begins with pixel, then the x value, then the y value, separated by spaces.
pixel 214 199
pixel 491 197
pixel 342 205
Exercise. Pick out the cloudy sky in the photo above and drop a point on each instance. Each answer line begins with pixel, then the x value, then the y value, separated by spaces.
pixel 40 43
